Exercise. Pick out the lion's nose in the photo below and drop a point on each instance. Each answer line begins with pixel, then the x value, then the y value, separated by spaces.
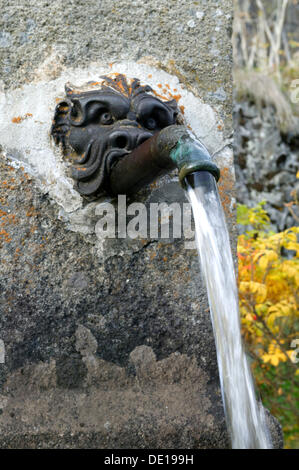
pixel 128 139
pixel 120 139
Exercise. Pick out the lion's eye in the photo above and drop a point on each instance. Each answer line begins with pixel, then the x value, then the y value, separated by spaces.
pixel 76 114
pixel 106 118
pixel 151 123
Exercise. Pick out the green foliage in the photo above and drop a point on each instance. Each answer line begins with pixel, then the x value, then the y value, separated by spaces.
pixel 256 217
pixel 269 306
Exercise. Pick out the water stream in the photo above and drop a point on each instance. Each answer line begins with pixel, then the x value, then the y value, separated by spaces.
pixel 245 417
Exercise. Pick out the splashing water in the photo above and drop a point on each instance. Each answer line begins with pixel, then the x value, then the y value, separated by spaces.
pixel 245 418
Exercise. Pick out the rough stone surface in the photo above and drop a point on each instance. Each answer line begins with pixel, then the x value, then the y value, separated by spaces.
pixel 108 31
pixel 266 163
pixel 59 302
pixel 112 351
pixel 153 404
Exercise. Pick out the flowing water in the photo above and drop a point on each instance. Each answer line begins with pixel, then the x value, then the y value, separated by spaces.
pixel 244 416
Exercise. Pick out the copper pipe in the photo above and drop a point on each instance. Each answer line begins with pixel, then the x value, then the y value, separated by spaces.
pixel 145 163
pixel 157 156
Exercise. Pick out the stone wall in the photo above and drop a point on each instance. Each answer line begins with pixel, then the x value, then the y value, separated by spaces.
pixel 266 162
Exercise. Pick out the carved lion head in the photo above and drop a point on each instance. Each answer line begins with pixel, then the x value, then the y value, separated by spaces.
pixel 99 126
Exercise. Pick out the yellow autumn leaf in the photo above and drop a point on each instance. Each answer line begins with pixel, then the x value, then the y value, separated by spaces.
pixel 256 288
pixel 261 309
pixel 273 309
pixel 274 355
pixel 243 287
pixel 285 308
pixel 269 256
pixel 256 257
pixel 290 235
pixel 270 358
pixel 271 319
pixel 289 269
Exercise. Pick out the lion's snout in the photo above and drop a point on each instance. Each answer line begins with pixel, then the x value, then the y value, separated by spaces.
pixel 127 139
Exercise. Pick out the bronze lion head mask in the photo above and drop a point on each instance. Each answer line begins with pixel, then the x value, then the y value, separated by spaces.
pixel 98 127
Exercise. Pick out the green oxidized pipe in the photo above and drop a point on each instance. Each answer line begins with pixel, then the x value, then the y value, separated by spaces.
pixel 190 156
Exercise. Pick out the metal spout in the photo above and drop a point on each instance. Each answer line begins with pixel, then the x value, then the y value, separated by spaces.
pixel 173 147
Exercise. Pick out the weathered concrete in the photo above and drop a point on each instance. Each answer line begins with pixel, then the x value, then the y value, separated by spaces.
pixel 112 350
pixel 188 39
pixel 111 407
pixel 52 281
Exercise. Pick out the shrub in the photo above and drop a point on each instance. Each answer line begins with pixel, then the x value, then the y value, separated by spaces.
pixel 268 283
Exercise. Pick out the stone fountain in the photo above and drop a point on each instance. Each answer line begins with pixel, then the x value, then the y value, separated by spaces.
pixel 106 343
